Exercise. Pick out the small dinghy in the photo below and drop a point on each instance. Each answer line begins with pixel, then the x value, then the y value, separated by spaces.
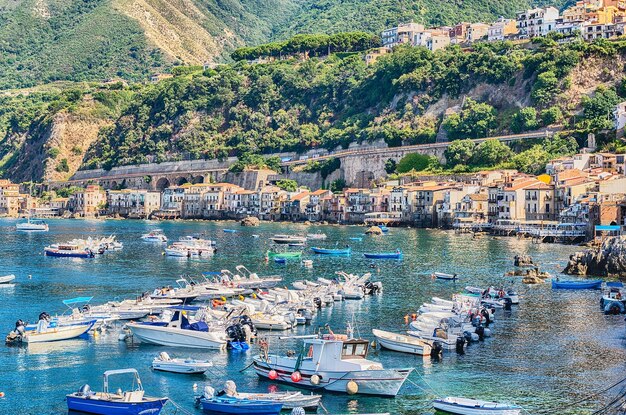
pixel 383 255
pixel 221 405
pixel 464 406
pixel 132 402
pixel 280 260
pixel 165 363
pixel 402 343
pixel 577 284
pixel 443 276
pixel 284 255
pixel 7 279
pixel 230 230
pixel 356 238
pixel 327 251
pixel 290 400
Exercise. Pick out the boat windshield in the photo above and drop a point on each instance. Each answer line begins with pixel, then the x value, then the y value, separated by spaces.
pixel 355 348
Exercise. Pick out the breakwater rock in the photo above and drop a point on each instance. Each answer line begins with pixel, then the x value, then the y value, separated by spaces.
pixel 523 261
pixel 250 221
pixel 607 260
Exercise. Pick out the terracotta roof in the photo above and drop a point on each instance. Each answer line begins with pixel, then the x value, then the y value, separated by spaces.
pixel 300 196
pixel 539 186
pixel 521 184
pixel 319 192
pixel 570 174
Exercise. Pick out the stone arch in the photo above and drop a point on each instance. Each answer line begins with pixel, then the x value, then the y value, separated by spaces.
pixel 162 183
pixel 197 180
pixel 181 181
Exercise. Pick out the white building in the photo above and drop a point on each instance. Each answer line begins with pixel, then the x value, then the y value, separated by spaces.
pixel 537 22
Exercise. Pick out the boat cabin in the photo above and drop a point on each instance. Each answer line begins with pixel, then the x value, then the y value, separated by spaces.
pixel 337 354
pixel 355 349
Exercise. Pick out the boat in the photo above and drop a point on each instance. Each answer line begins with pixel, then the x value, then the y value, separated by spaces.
pixel 132 402
pixel 356 238
pixel 229 230
pixel 402 343
pixel 227 405
pixel 383 228
pixel 43 333
pixel 68 251
pixel 290 399
pixel 333 363
pixel 316 236
pixel 327 251
pixel 179 332
pixel 280 260
pixel 36 225
pixel 7 279
pixel 464 406
pixel 577 284
pixel 613 300
pixel 383 255
pixel 288 239
pixel 154 236
pixel 444 276
pixel 284 255
pixel 165 363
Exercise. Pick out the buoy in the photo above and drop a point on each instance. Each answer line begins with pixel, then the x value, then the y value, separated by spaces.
pixel 406 319
pixel 296 376
pixel 30 277
pixel 1 394
pixel 273 375
pixel 315 380
pixel 195 386
pixel 413 316
pixel 352 387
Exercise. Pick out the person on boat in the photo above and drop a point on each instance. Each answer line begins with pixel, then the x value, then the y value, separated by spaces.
pixel 42 324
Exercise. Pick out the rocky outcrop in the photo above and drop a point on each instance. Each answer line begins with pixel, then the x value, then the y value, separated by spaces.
pixel 607 260
pixel 523 261
pixel 250 221
pixel 529 275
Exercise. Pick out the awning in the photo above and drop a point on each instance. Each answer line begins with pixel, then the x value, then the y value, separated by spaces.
pixel 77 300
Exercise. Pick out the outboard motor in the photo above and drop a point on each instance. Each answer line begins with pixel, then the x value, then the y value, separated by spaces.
pixel 436 349
pixel 507 303
pixel 318 302
pixel 84 390
pixel 460 345
pixel 481 332
pixel 487 316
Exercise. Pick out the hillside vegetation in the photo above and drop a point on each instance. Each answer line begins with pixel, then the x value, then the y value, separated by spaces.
pixel 292 105
pixel 44 41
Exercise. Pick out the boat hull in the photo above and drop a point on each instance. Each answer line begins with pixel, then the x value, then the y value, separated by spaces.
pixel 68 254
pixel 191 368
pixel 577 285
pixel 58 333
pixel 468 410
pixel 385 382
pixel 101 407
pixel 165 336
pixel 383 256
pixel 235 406
pixel 402 343
pixel 324 251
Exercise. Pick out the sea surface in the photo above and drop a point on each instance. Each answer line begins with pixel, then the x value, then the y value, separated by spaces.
pixel 552 350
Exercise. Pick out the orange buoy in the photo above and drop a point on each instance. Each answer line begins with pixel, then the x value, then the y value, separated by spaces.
pixel 413 316
pixel 296 377
pixel 406 319
pixel 1 394
pixel 273 375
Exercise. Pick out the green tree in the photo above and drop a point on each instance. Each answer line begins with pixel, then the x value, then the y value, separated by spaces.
pixel 287 185
pixel 414 161
pixel 524 120
pixel 598 109
pixel 337 185
pixel 459 152
pixel 475 120
pixel 552 115
pixel 532 161
pixel 390 166
pixel 545 88
pixel 491 153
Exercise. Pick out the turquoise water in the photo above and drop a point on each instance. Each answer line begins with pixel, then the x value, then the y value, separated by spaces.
pixel 555 348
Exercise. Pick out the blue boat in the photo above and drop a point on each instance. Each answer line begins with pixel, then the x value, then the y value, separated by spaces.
pixel 383 228
pixel 240 406
pixel 280 260
pixel 326 251
pixel 131 402
pixel 577 284
pixel 230 230
pixel 356 238
pixel 384 255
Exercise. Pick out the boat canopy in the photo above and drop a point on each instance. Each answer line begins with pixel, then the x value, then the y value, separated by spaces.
pixel 185 307
pixel 77 300
pixel 212 273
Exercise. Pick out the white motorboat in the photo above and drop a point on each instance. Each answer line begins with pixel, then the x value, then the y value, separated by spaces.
pixel 316 236
pixel 264 321
pixel 184 292
pixel 33 225
pixel 334 363
pixel 402 343
pixel 444 276
pixel 68 251
pixel 43 333
pixel 7 279
pixel 464 406
pixel 253 280
pixel 154 236
pixel 165 363
pixel 179 332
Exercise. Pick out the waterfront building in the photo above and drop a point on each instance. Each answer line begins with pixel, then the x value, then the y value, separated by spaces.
pixel 314 207
pixel 539 202
pixel 88 202
pixel 135 203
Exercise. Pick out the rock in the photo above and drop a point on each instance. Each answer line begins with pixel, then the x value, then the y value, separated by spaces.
pixel 250 221
pixel 532 280
pixel 374 230
pixel 523 261
pixel 607 260
pixel 530 273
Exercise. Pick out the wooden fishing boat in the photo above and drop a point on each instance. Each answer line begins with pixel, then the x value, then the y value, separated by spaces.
pixel 464 406
pixel 577 284
pixel 221 405
pixel 284 255
pixel 327 251
pixel 402 343
pixel 383 255
pixel 229 230
pixel 132 402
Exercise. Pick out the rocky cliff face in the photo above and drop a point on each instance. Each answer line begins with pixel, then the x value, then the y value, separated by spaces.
pixel 607 260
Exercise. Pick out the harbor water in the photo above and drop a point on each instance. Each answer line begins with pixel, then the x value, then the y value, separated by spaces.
pixel 553 349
